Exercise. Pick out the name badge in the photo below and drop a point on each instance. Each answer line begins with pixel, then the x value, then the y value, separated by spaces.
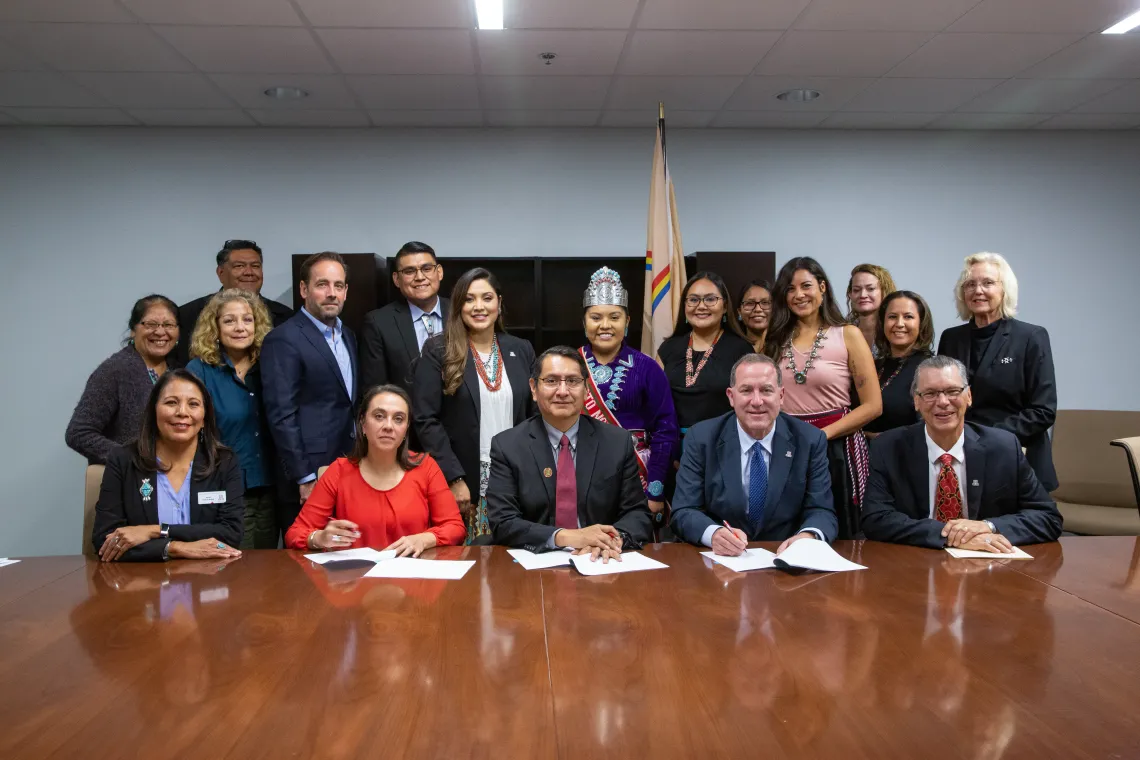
pixel 212 497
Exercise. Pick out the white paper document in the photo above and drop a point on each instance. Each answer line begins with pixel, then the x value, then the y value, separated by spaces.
pixel 4 561
pixel 408 567
pixel 532 561
pixel 630 562
pixel 364 553
pixel 812 554
pixel 752 559
pixel 967 554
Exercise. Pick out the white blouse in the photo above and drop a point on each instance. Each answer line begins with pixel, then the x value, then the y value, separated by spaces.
pixel 496 409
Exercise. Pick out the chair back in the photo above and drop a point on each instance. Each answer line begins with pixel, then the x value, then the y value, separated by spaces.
pixel 1089 471
pixel 94 481
pixel 321 471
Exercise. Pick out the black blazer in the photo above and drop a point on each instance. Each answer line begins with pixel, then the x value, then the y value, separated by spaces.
pixel 388 345
pixel 710 487
pixel 121 503
pixel 1001 488
pixel 1014 387
pixel 189 312
pixel 520 494
pixel 309 410
pixel 448 426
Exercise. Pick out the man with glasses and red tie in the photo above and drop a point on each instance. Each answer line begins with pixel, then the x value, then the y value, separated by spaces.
pixel 563 479
pixel 944 483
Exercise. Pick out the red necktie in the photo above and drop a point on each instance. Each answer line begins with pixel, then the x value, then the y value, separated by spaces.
pixel 947 495
pixel 565 489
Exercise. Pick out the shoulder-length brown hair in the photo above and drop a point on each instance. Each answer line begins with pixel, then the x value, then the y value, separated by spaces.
pixel 206 342
pixel 925 337
pixel 886 284
pixel 209 445
pixel 455 332
pixel 728 321
pixel 782 322
pixel 405 458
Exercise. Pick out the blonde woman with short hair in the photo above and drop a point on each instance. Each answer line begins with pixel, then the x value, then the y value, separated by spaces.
pixel 868 286
pixel 225 347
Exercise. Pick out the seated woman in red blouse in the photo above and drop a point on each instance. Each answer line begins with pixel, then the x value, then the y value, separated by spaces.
pixel 381 496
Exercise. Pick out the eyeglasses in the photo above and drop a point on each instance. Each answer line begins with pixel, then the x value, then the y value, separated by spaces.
pixel 154 326
pixel 241 266
pixel 409 273
pixel 751 305
pixel 550 383
pixel 971 285
pixel 952 394
pixel 695 301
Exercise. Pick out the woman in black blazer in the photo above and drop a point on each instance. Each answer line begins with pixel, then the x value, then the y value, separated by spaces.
pixel 1011 363
pixel 471 382
pixel 175 492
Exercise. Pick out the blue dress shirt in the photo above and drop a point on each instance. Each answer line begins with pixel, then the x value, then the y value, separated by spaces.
pixel 241 422
pixel 418 322
pixel 174 506
pixel 334 336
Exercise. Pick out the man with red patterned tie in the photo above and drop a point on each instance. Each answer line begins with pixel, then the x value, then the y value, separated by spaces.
pixel 943 482
pixel 562 479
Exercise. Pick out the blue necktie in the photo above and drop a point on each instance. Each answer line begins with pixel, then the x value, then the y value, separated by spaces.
pixel 757 486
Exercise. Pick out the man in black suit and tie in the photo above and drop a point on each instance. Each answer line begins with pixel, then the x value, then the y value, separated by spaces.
pixel 942 482
pixel 393 336
pixel 761 472
pixel 308 371
pixel 562 479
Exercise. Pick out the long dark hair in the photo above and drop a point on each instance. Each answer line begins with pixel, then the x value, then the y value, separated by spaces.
pixel 740 299
pixel 925 337
pixel 682 326
pixel 139 310
pixel 145 456
pixel 455 332
pixel 782 322
pixel 404 457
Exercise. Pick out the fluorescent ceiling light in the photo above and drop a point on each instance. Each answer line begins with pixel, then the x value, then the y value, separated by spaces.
pixel 1127 25
pixel 490 13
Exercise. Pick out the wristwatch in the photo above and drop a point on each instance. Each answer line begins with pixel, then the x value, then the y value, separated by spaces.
pixel 993 528
pixel 164 531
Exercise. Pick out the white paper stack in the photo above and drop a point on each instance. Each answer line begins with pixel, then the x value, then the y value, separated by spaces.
pixel 752 559
pixel 364 553
pixel 805 554
pixel 967 554
pixel 408 567
pixel 630 562
pixel 4 561
pixel 532 561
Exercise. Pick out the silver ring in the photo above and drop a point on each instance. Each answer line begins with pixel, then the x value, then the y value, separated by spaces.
pixel 987 540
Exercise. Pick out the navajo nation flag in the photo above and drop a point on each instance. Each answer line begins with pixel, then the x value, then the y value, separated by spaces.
pixel 664 257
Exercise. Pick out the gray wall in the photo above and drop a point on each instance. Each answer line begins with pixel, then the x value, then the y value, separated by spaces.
pixel 92 219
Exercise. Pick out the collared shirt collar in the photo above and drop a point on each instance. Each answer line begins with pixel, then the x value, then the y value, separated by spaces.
pixel 933 450
pixel 336 330
pixel 418 313
pixel 746 440
pixel 555 435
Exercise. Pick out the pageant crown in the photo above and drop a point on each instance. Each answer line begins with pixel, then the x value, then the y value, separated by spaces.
pixel 605 290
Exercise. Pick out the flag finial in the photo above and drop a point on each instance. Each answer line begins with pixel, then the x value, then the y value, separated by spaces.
pixel 660 110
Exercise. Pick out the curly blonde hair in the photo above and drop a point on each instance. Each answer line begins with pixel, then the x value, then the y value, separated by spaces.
pixel 205 344
pixel 1005 275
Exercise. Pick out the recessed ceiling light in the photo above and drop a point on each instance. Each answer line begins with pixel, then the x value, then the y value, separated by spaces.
pixel 798 96
pixel 286 93
pixel 489 13
pixel 1127 25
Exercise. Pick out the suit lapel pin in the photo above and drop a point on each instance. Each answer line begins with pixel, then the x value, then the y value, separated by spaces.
pixel 788 454
pixel 512 353
pixel 974 483
pixel 1007 360
pixel 146 489
pixel 547 472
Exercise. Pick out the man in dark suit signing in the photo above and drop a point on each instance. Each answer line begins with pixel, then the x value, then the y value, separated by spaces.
pixel 562 479
pixel 393 336
pixel 308 371
pixel 761 472
pixel 943 482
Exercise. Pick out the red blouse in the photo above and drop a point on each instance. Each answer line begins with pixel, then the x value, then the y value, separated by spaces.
pixel 419 503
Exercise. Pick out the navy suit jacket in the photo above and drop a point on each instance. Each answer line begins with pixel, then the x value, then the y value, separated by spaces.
pixel 309 410
pixel 1001 488
pixel 710 487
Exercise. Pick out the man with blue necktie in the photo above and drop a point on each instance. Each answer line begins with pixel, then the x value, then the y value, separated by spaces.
pixel 754 474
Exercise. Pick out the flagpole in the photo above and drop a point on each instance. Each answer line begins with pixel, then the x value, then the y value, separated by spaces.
pixel 661 126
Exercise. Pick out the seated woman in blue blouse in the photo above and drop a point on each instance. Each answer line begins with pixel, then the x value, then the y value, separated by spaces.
pixel 175 492
pixel 225 345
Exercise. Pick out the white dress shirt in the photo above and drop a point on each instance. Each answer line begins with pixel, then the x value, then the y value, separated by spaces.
pixel 418 322
pixel 958 451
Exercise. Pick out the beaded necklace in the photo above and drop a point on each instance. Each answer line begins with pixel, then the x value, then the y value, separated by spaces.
pixel 801 377
pixel 898 369
pixel 494 378
pixel 691 374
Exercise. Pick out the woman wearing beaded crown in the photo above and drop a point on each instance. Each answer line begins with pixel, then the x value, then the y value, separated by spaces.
pixel 625 387
pixel 823 357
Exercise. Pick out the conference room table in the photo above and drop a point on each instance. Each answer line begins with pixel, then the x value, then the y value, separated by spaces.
pixel 273 656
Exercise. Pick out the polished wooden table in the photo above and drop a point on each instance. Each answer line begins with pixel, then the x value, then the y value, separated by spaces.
pixel 270 656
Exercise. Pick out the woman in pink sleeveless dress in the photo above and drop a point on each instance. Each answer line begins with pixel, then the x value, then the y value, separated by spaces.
pixel 822 358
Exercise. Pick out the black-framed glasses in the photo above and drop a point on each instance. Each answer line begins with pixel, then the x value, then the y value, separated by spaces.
pixel 709 300
pixel 410 272
pixel 751 305
pixel 952 394
pixel 572 382
pixel 154 326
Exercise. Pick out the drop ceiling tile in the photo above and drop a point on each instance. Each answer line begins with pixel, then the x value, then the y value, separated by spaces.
pixel 861 120
pixel 310 118
pixel 696 53
pixel 416 93
pixel 918 95
pixel 248 49
pixel 1040 95
pixel 580 53
pixel 80 117
pixel 646 118
pixel 12 59
pixel 456 118
pixel 720 14
pixel 1044 16
pixel 883 15
pixel 553 118
pixel 840 54
pixel 1099 56
pixel 454 14
pixel 1091 121
pixel 192 117
pixel 400 51
pixel 678 93
pixel 987 121
pixel 767 120
pixel 78 11
pixel 1122 100
pixel 43 89
pixel 580 14
pixel 138 90
pixel 759 93
pixel 95 47
pixel 543 93
pixel 326 91
pixel 981 55
pixel 215 12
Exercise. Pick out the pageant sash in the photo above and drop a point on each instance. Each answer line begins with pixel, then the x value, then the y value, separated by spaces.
pixel 596 408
